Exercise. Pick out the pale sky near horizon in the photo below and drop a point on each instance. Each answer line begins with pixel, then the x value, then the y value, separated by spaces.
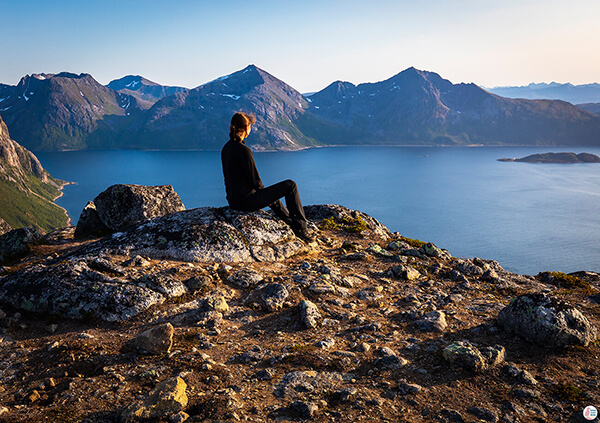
pixel 307 44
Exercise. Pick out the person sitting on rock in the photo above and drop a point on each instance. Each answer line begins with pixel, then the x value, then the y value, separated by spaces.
pixel 245 190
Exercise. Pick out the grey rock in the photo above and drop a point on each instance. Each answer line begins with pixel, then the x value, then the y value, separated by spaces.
pixel 397 245
pixel 450 416
pixel 89 223
pixel 526 393
pixel 344 395
pixel 264 374
pixel 122 205
pixel 304 410
pixel 409 388
pixel 434 321
pixel 546 321
pixel 157 340
pixel 245 278
pixel 464 354
pixel 296 385
pixel 404 272
pixel 326 343
pixel 467 267
pixel 273 296
pixel 17 242
pixel 483 413
pixel 207 234
pixel 369 294
pixel 309 314
pixel 432 250
pixel 73 289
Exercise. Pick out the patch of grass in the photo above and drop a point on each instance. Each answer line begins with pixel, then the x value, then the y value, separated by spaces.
pixel 566 281
pixel 349 224
pixel 416 243
pixel 355 225
pixel 568 392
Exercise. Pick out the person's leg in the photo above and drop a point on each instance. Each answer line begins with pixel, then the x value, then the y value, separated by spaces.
pixel 281 212
pixel 270 196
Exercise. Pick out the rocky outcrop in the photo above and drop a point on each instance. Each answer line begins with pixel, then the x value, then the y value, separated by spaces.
pixel 120 206
pixel 547 321
pixel 330 333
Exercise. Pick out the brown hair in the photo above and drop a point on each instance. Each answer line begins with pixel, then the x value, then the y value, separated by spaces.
pixel 240 122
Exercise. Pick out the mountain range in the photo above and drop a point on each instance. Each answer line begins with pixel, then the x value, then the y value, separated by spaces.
pixel 575 94
pixel 68 111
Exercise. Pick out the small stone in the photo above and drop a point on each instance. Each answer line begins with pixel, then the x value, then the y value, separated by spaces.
pixel 34 396
pixel 273 296
pixel 434 321
pixel 158 340
pixel 409 388
pixel 179 417
pixel 309 314
pixel 450 416
pixel 483 414
pixel 526 393
pixel 168 398
pixel 304 410
pixel 363 347
pixel 52 328
pixel 326 343
pixel 404 272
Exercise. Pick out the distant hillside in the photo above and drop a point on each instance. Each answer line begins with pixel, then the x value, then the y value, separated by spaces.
pixel 199 118
pixel 64 111
pixel 575 94
pixel 146 91
pixel 591 107
pixel 419 107
pixel 27 191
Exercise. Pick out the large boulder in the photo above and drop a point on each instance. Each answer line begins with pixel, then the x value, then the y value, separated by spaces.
pixel 207 234
pixel 120 206
pixel 546 321
pixel 17 242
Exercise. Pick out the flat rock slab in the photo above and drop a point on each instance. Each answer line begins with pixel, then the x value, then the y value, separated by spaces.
pixel 207 234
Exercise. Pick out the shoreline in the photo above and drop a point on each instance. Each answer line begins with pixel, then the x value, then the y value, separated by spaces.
pixel 61 193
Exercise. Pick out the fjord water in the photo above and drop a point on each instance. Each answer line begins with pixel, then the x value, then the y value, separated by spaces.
pixel 529 217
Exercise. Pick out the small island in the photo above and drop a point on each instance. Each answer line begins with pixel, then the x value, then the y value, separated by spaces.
pixel 556 158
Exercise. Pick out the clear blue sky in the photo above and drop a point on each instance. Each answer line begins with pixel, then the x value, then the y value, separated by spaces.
pixel 308 43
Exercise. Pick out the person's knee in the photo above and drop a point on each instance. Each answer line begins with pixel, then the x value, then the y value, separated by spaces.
pixel 291 184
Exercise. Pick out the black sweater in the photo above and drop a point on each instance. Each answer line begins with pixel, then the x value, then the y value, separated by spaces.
pixel 239 171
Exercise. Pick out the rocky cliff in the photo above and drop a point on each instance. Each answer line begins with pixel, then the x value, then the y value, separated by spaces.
pixel 212 315
pixel 27 191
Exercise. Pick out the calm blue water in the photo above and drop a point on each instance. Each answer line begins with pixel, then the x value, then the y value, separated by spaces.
pixel 529 217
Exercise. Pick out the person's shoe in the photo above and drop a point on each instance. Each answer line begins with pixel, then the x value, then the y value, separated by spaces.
pixel 305 235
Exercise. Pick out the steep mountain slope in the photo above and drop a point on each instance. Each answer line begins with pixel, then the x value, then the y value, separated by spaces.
pixel 575 94
pixel 199 118
pixel 418 107
pixel 64 111
pixel 146 91
pixel 27 191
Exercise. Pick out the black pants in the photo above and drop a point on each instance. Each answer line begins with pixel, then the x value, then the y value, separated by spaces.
pixel 270 196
